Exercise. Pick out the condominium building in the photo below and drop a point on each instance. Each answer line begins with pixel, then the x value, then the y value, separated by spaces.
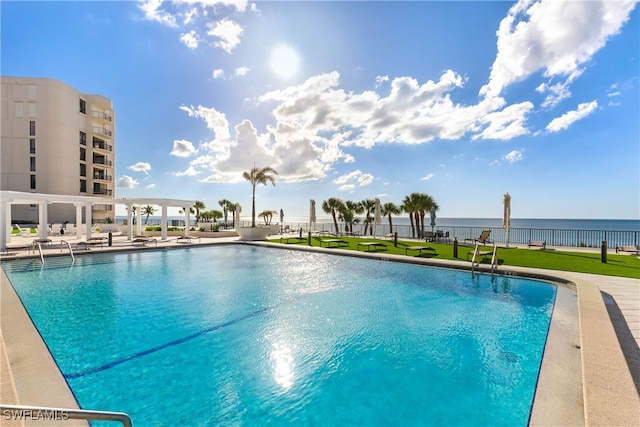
pixel 56 140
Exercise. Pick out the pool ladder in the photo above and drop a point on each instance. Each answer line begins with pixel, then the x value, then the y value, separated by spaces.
pixel 62 242
pixel 22 412
pixel 478 253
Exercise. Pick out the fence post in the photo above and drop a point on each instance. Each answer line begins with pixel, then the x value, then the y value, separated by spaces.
pixel 603 252
pixel 455 247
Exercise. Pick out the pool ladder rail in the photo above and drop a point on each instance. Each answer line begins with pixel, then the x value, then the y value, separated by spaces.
pixel 62 243
pixel 478 253
pixel 22 412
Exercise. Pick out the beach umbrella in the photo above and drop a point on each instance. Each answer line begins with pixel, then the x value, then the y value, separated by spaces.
pixel 312 212
pixel 281 215
pixel 236 215
pixel 506 216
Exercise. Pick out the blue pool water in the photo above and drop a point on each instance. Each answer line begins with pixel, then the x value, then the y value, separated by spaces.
pixel 239 335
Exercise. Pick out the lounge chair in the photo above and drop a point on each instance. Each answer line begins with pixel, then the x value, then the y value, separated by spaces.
pixel 143 240
pixel 371 246
pixel 483 239
pixel 22 231
pixel 539 243
pixel 632 249
pixel 330 242
pixel 419 249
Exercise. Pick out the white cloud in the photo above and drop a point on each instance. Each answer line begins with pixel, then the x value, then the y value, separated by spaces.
pixel 241 71
pixel 190 39
pixel 506 124
pixel 346 187
pixel 191 171
pixel 365 179
pixel 141 167
pixel 152 12
pixel 125 181
pixel 228 32
pixel 183 148
pixel 150 187
pixel 380 80
pixel 218 73
pixel 568 118
pixel 513 156
pixel 348 177
pixel 427 177
pixel 554 36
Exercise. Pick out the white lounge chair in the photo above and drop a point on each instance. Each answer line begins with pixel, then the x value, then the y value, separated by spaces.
pixel 22 231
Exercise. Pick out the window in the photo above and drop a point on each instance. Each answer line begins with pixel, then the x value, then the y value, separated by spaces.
pixel 32 146
pixel 83 185
pixel 83 106
pixel 83 153
pixel 33 182
pixel 83 138
pixel 83 169
pixel 32 164
pixel 32 128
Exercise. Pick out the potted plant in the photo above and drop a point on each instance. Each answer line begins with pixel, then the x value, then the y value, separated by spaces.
pixel 256 176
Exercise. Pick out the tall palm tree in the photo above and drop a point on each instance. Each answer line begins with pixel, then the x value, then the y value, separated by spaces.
pixel 368 206
pixel 389 209
pixel 147 210
pixel 227 206
pixel 409 206
pixel 333 206
pixel 424 203
pixel 258 176
pixel 198 206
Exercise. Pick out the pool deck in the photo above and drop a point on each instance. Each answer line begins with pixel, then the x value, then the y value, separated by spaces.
pixel 608 313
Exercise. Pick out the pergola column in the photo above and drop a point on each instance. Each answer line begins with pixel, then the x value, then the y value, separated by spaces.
pixel 163 222
pixel 139 221
pixel 43 219
pixel 129 221
pixel 187 221
pixel 5 221
pixel 89 219
pixel 78 223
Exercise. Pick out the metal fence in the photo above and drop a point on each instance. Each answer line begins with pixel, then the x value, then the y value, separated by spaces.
pixel 522 236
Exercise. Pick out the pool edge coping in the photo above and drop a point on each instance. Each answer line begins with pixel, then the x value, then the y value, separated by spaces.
pixel 609 394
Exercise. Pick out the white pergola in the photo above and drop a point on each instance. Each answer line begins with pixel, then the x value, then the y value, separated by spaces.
pixel 8 198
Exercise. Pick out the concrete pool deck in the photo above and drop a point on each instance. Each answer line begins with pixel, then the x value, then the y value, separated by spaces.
pixel 607 309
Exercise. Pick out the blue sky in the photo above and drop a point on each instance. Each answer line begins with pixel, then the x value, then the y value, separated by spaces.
pixel 464 101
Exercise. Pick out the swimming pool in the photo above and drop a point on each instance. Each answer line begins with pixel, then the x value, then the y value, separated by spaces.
pixel 246 335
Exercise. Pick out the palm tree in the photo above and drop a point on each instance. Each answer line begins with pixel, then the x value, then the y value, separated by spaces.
pixel 409 206
pixel 258 176
pixel 368 206
pixel 390 209
pixel 333 206
pixel 147 210
pixel 267 216
pixel 351 208
pixel 227 206
pixel 198 206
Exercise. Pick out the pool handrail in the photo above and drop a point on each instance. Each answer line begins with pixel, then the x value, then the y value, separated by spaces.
pixel 23 411
pixel 64 242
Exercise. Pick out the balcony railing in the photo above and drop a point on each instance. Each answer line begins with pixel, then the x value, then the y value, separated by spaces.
pixel 102 191
pixel 103 177
pixel 102 146
pixel 102 161
pixel 102 131
pixel 101 115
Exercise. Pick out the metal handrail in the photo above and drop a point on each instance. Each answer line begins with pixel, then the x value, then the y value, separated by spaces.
pixel 22 412
pixel 39 250
pixel 70 250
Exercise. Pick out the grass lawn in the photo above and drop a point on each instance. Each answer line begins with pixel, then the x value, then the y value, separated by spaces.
pixel 582 262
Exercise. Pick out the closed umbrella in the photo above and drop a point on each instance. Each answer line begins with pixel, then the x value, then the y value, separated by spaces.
pixel 506 216
pixel 433 218
pixel 377 215
pixel 281 220
pixel 236 215
pixel 312 212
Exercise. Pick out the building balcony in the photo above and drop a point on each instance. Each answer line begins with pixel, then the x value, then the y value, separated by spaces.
pixel 101 116
pixel 102 177
pixel 102 192
pixel 101 145
pixel 102 161
pixel 102 131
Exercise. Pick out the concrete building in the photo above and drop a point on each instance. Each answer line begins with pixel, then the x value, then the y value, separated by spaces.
pixel 56 140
